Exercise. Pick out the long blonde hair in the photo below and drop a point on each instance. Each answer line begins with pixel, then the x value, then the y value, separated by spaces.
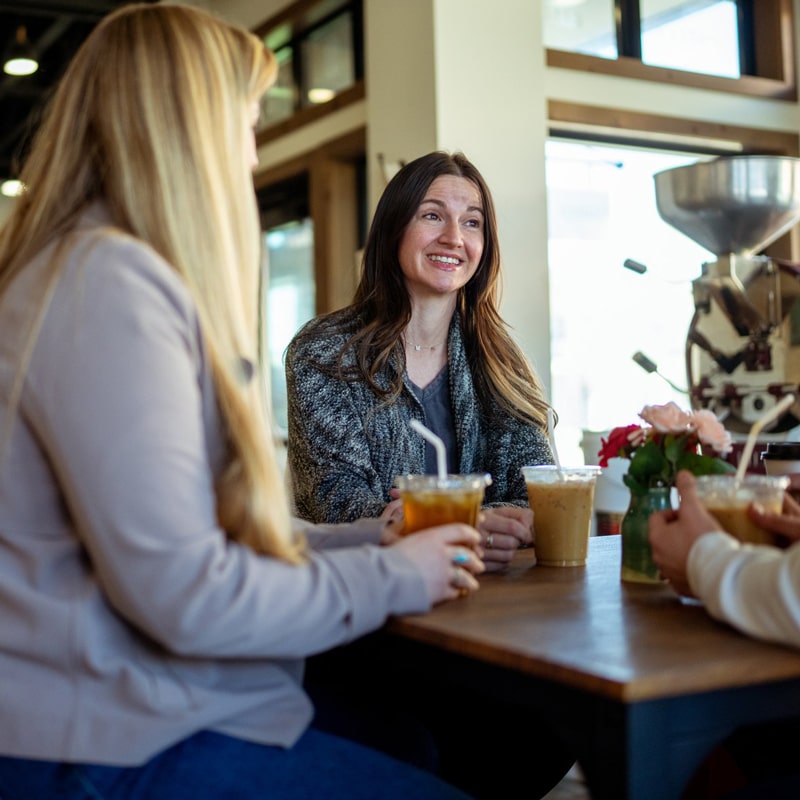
pixel 150 118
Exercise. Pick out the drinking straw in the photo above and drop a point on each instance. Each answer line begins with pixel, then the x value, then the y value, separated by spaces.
pixel 768 416
pixel 438 444
pixel 551 436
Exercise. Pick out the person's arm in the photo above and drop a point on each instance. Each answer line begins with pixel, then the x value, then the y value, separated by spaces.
pixel 333 475
pixel 349 534
pixel 754 588
pixel 119 395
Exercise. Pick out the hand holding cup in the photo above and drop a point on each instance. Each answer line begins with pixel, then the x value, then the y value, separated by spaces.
pixel 448 558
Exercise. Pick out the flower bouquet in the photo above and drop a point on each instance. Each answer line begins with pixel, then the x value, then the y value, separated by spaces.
pixel 671 440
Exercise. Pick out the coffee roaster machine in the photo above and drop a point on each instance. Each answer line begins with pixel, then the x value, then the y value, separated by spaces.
pixel 743 343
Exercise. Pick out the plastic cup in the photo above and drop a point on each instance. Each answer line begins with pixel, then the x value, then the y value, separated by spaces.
pixel 429 500
pixel 783 458
pixel 562 501
pixel 727 499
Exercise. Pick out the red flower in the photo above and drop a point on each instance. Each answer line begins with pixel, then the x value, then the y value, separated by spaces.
pixel 617 444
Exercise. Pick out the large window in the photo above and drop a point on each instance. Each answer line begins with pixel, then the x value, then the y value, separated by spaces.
pixel 742 46
pixel 695 35
pixel 601 212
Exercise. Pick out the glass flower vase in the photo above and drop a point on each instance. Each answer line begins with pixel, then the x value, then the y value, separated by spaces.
pixel 637 557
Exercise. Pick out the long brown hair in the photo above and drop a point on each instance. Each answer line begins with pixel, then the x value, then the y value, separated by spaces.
pixel 150 118
pixel 501 373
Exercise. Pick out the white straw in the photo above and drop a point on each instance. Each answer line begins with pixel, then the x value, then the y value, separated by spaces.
pixel 552 437
pixel 756 429
pixel 441 455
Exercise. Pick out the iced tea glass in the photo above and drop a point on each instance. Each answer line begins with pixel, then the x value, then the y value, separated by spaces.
pixel 429 500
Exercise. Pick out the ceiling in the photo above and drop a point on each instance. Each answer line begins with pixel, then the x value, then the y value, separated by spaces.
pixel 55 29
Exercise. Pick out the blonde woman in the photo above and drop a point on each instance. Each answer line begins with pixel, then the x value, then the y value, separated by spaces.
pixel 157 598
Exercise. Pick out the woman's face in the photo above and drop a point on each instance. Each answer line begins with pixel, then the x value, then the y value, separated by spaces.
pixel 443 243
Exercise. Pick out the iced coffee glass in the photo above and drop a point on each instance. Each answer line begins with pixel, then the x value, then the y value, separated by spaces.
pixel 562 501
pixel 429 500
pixel 727 499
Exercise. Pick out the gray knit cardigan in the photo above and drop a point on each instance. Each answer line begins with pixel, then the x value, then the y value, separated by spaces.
pixel 346 446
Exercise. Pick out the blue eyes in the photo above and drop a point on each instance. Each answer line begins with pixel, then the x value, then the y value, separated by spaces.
pixel 434 217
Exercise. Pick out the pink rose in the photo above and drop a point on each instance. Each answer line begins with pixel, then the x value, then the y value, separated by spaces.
pixel 710 431
pixel 668 418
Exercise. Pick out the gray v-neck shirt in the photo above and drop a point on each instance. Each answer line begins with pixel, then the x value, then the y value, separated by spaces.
pixel 435 400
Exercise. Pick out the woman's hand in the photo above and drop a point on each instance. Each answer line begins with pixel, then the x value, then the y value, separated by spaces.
pixel 448 558
pixel 394 517
pixel 503 530
pixel 672 533
pixel 786 523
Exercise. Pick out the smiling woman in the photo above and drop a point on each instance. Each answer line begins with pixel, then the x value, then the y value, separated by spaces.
pixel 422 340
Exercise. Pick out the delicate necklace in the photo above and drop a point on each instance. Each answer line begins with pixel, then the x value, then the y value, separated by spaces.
pixel 419 347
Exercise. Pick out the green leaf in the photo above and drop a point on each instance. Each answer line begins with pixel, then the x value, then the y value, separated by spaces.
pixel 674 447
pixel 634 485
pixel 648 462
pixel 699 464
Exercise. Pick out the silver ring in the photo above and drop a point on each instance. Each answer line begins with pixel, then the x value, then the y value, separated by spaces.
pixel 460 557
pixel 489 541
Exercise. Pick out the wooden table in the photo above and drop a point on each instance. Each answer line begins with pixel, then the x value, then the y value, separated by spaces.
pixel 642 684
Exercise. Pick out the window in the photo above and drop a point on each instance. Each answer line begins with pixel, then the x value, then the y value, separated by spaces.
pixel 319 52
pixel 728 45
pixel 289 300
pixel 581 27
pixel 694 35
pixel 289 295
pixel 602 211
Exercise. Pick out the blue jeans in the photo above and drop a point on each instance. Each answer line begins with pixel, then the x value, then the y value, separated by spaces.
pixel 210 766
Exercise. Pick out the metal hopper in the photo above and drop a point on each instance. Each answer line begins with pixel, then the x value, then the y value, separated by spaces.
pixel 734 204
pixel 743 348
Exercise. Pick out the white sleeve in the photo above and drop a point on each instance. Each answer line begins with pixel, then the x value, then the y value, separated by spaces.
pixel 755 588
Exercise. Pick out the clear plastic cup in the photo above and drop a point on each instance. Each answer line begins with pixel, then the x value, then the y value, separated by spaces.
pixel 429 500
pixel 727 499
pixel 562 501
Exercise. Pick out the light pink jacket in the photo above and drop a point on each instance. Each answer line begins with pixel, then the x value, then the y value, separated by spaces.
pixel 127 621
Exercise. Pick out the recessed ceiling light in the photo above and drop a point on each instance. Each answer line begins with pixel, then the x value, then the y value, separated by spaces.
pixel 12 187
pixel 320 95
pixel 22 58
pixel 20 66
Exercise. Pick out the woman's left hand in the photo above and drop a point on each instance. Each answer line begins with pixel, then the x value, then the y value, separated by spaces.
pixel 503 530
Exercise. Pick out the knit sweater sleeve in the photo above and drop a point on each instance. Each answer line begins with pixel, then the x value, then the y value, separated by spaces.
pixel 331 469
pixel 754 588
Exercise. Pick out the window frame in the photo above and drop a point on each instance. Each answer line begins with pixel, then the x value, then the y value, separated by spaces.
pixel 301 19
pixel 765 23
